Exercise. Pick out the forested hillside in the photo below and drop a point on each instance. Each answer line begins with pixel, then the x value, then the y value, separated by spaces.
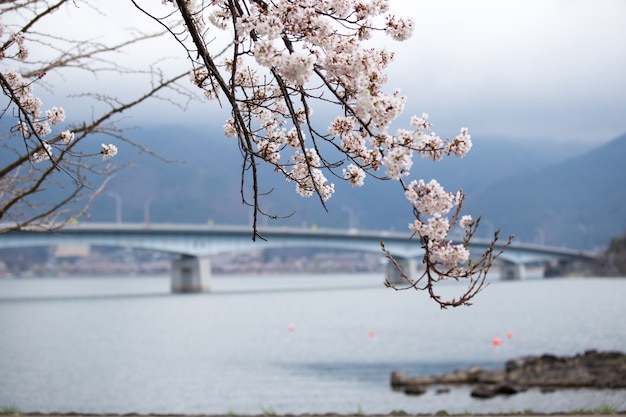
pixel 613 260
pixel 578 203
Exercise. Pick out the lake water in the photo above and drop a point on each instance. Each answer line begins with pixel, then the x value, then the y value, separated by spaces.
pixel 289 344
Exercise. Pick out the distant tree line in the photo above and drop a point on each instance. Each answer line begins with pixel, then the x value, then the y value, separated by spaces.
pixel 613 260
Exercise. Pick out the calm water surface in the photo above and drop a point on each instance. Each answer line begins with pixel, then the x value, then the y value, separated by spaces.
pixel 311 343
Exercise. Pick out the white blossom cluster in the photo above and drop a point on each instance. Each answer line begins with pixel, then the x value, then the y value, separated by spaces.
pixel 108 151
pixel 289 52
pixel 434 203
pixel 308 177
pixel 33 123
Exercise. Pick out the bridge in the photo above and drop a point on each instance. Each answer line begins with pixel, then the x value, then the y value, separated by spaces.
pixel 196 243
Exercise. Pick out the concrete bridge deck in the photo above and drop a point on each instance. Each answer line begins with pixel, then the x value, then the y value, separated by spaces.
pixel 195 243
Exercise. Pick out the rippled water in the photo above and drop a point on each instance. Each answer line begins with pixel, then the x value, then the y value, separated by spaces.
pixel 310 343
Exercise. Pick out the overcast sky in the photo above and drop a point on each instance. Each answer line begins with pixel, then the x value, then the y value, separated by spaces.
pixel 511 68
pixel 536 69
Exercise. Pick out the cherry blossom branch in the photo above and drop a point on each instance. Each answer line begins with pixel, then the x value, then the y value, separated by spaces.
pixel 23 175
pixel 291 58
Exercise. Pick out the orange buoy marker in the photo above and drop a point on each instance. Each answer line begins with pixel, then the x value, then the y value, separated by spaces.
pixel 291 328
pixel 496 341
pixel 372 334
pixel 509 335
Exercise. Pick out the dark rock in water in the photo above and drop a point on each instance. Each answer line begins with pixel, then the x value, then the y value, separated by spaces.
pixel 592 369
pixel 506 389
pixel 483 391
pixel 414 389
pixel 399 379
pixel 474 375
pixel 479 375
pixel 490 391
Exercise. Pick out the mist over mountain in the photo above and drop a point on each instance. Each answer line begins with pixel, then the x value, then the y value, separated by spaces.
pixel 542 191
pixel 578 203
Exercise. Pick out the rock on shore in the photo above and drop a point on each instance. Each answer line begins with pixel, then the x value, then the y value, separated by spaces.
pixel 592 369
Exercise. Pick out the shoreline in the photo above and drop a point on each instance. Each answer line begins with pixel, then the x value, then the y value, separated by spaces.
pixel 591 412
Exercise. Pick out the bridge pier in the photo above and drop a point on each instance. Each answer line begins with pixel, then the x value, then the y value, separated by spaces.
pixel 408 266
pixel 191 274
pixel 512 272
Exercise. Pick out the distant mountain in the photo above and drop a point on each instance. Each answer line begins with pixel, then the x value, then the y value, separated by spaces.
pixel 578 203
pixel 541 191
pixel 197 179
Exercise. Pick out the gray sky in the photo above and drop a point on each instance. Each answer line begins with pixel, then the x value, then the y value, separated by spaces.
pixel 535 69
pixel 529 68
